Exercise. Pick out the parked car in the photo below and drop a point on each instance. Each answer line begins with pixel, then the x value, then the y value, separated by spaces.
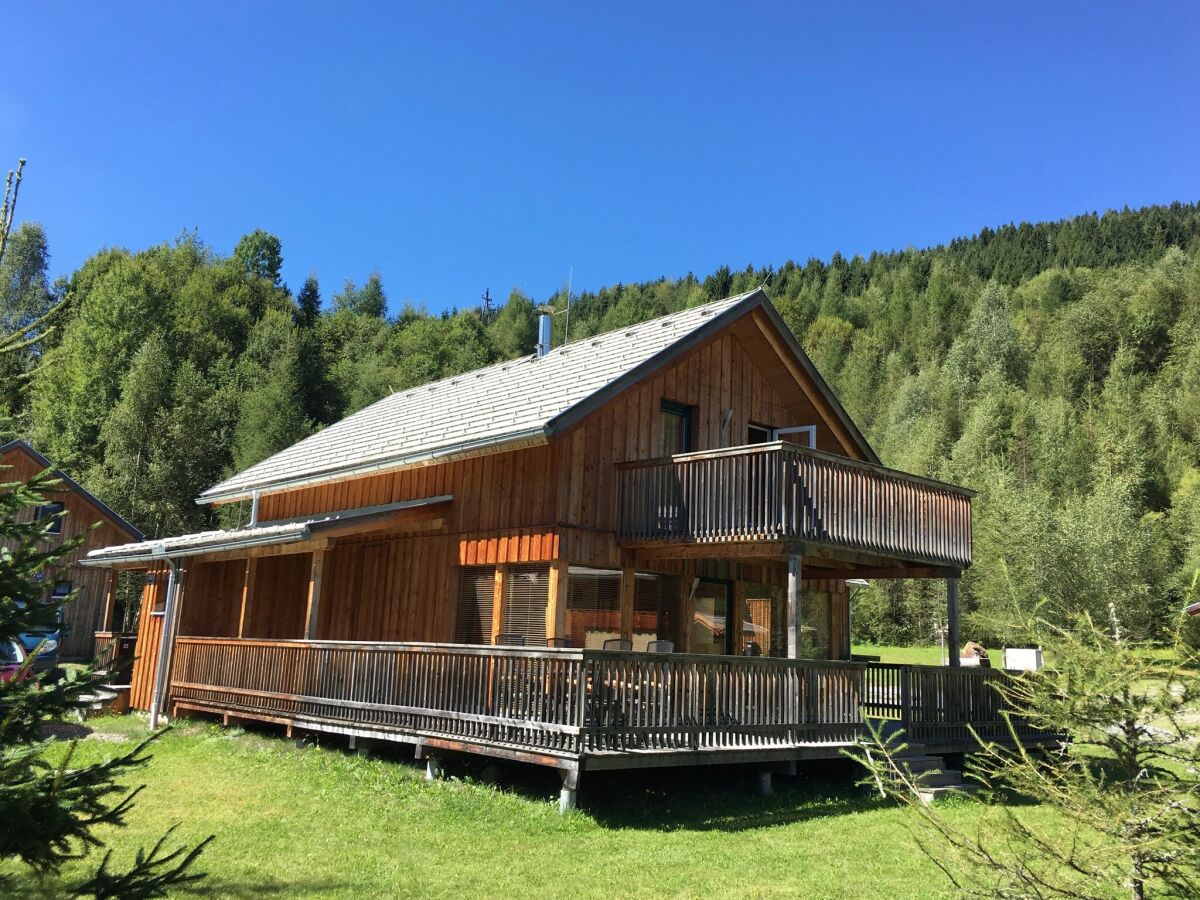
pixel 43 646
pixel 12 655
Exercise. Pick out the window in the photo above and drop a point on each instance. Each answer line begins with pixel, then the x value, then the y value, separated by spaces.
pixel 815 624
pixel 676 428
pixel 526 593
pixel 593 606
pixel 656 604
pixel 758 434
pixel 804 435
pixel 62 590
pixel 160 592
pixel 51 510
pixel 766 619
pixel 473 609
pixel 710 613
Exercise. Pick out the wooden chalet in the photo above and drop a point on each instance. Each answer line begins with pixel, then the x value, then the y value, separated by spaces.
pixel 631 550
pixel 91 610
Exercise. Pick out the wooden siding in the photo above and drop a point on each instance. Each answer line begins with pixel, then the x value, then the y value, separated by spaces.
pixel 149 636
pixel 720 379
pixel 84 614
pixel 389 589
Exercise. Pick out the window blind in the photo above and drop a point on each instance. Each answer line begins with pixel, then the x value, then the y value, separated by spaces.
pixel 656 606
pixel 473 610
pixel 593 606
pixel 526 593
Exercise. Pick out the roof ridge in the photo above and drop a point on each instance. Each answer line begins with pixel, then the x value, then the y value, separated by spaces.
pixel 511 402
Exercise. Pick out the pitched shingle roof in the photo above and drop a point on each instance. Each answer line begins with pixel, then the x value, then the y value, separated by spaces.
pixel 508 405
pixel 117 519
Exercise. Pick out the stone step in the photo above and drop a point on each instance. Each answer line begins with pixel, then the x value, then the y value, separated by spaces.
pixel 940 778
pixel 917 764
pixel 934 793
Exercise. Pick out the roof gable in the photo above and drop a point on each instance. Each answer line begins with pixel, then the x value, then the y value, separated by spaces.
pixel 115 518
pixel 522 402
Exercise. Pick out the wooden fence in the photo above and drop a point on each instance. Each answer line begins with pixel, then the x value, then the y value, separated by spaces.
pixel 781 491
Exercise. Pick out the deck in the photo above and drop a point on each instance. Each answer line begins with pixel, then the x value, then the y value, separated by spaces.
pixel 581 710
pixel 782 492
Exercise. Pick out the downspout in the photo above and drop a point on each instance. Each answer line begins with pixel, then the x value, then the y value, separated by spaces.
pixel 166 643
pixel 254 495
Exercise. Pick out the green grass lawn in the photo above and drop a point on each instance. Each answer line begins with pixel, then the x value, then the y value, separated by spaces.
pixel 325 822
pixel 923 655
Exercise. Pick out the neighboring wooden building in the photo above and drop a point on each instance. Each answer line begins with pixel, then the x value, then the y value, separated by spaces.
pixel 687 484
pixel 83 616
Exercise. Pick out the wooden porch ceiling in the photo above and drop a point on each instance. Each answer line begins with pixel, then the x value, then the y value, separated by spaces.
pixel 413 520
pixel 820 561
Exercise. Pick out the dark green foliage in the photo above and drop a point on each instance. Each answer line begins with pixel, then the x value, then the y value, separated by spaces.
pixel 51 811
pixel 1054 367
pixel 1127 820
pixel 260 255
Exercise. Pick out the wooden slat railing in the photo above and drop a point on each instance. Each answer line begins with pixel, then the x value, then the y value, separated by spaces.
pixel 570 703
pixel 941 704
pixel 527 699
pixel 510 697
pixel 781 491
pixel 650 701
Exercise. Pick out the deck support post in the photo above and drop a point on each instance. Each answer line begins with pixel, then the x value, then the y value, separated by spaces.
pixel 628 583
pixel 110 600
pixel 765 787
pixel 556 600
pixel 162 675
pixel 433 768
pixel 795 570
pixel 570 791
pixel 312 616
pixel 952 637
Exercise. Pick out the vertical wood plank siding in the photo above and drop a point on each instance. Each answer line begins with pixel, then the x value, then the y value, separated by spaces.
pixel 84 614
pixel 782 491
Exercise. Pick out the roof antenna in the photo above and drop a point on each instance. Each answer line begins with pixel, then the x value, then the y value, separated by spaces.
pixel 567 326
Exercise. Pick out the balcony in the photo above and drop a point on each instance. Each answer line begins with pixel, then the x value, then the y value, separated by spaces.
pixel 787 493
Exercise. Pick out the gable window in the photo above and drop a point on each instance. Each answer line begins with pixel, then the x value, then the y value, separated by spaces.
pixel 676 428
pixel 758 434
pixel 48 511
pixel 804 435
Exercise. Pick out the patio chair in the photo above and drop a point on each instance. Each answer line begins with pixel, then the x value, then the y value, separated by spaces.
pixel 558 643
pixel 618 644
pixel 660 647
pixel 510 639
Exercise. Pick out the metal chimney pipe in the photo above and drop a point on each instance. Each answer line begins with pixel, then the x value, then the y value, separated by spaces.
pixel 543 344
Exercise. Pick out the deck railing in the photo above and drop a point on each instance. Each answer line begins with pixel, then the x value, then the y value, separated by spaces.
pixel 943 705
pixel 781 491
pixel 563 702
pixel 570 703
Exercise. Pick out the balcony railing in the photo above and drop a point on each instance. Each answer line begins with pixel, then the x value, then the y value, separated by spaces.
pixel 784 492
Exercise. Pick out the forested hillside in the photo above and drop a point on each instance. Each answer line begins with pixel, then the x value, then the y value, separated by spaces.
pixel 1053 367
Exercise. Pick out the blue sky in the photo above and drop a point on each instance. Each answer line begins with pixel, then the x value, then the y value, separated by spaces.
pixel 458 147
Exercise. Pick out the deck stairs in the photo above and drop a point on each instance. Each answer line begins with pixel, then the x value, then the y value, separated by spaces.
pixel 933 779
